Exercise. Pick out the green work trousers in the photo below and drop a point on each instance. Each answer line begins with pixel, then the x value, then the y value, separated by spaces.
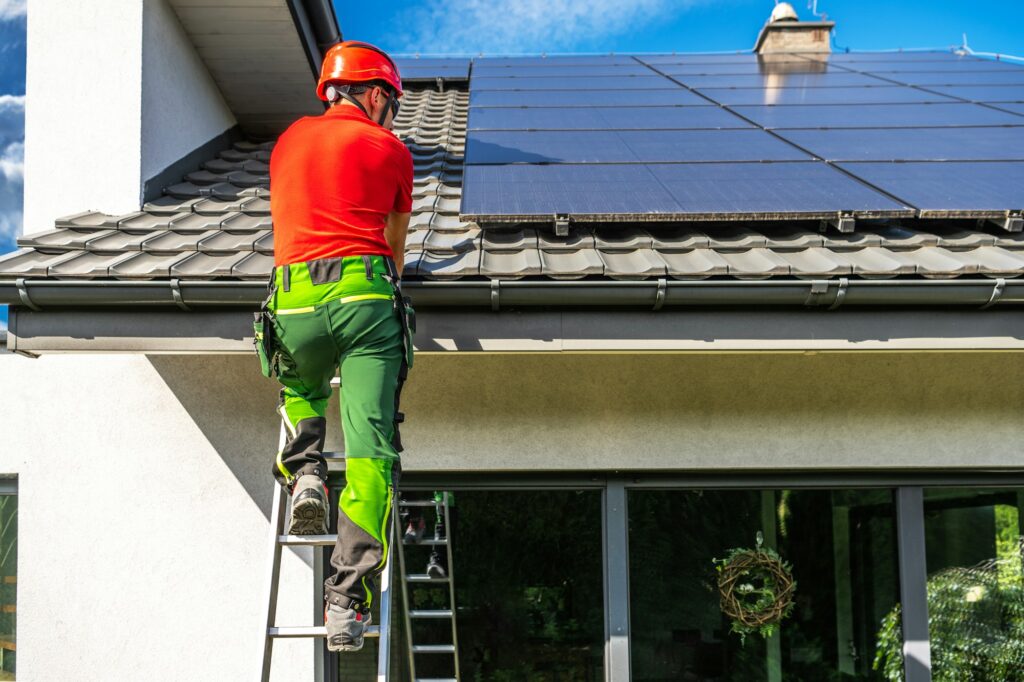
pixel 343 319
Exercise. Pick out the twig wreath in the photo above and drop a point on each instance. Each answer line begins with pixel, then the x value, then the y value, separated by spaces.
pixel 756 589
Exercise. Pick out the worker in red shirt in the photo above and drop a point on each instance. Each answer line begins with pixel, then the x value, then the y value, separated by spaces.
pixel 341 194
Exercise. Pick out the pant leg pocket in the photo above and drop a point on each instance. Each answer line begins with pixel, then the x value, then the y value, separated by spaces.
pixel 263 341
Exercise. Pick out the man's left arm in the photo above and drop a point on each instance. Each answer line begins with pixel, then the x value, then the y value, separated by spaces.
pixel 397 227
pixel 395 232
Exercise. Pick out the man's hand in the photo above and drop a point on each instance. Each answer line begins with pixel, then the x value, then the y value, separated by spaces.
pixel 395 232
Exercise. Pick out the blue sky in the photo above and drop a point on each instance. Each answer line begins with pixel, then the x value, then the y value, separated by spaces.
pixel 524 26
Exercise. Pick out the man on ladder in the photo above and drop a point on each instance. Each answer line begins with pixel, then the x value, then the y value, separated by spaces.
pixel 341 194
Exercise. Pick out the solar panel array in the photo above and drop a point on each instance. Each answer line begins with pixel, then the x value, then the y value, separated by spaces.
pixel 738 136
pixel 417 69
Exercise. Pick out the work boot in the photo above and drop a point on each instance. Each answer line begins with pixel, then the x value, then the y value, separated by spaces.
pixel 414 531
pixel 309 506
pixel 345 628
pixel 434 567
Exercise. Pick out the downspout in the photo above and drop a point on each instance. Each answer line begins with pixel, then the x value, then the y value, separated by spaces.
pixel 317 27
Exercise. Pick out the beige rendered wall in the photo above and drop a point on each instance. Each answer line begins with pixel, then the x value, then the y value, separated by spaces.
pixel 144 483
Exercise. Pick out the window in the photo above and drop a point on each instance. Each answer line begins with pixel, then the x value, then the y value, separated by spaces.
pixel 974 543
pixel 8 577
pixel 840 544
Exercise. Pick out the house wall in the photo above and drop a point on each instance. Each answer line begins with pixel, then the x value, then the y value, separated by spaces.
pixel 144 483
pixel 104 112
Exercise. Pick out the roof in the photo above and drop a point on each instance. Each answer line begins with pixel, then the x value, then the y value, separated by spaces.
pixel 215 225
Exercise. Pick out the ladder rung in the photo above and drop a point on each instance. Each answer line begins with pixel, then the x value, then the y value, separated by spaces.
pixel 431 613
pixel 424 578
pixel 333 456
pixel 418 503
pixel 425 541
pixel 433 648
pixel 313 631
pixel 308 540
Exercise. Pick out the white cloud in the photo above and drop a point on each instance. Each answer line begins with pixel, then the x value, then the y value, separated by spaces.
pixel 12 9
pixel 12 118
pixel 12 181
pixel 514 26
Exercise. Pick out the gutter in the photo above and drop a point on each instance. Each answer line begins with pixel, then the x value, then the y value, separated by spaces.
pixel 495 295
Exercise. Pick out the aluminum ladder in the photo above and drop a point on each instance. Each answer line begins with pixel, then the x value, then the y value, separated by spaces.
pixel 409 581
pixel 278 540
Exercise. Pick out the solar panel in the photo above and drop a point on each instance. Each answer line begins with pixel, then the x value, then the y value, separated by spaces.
pixel 414 68
pixel 913 144
pixel 780 80
pixel 877 115
pixel 949 189
pixel 581 83
pixel 888 56
pixel 541 191
pixel 552 61
pixel 747 68
pixel 582 98
pixel 697 58
pixel 626 146
pixel 610 118
pixel 885 94
pixel 667 191
pixel 982 93
pixel 1016 107
pixel 969 66
pixel 561 71
pixel 960 78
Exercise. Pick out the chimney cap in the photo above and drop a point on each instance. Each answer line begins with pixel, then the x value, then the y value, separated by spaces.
pixel 783 11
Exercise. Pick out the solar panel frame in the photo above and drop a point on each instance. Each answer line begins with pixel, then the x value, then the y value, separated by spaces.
pixel 561 71
pixel 976 65
pixel 931 78
pixel 563 60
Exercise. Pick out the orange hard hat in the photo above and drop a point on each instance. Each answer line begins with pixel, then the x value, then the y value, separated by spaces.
pixel 351 62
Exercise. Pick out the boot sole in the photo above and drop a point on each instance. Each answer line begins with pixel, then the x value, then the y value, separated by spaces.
pixel 309 517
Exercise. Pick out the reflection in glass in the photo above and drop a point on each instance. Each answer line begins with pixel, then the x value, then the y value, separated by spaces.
pixel 529 594
pixel 841 546
pixel 975 584
pixel 8 584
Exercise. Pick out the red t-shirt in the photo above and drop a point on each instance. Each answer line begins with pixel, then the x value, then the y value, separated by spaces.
pixel 333 181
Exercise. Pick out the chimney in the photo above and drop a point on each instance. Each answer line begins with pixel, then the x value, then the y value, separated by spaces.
pixel 784 32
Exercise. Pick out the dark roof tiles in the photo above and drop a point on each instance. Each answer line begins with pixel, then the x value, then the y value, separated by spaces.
pixel 216 223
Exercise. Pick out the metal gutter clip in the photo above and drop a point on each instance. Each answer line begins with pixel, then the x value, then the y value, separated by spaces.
pixel 561 225
pixel 841 294
pixel 818 287
pixel 495 294
pixel 23 294
pixel 659 296
pixel 176 293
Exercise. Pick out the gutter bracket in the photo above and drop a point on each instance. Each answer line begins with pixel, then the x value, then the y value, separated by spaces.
pixel 561 225
pixel 176 292
pixel 997 293
pixel 818 287
pixel 659 296
pixel 495 294
pixel 23 295
pixel 841 294
pixel 1012 222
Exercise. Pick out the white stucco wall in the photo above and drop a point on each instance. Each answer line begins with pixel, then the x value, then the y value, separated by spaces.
pixel 181 105
pixel 144 483
pixel 93 132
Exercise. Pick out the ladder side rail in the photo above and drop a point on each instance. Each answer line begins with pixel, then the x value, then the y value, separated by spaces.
pixel 384 643
pixel 274 573
pixel 406 604
pixel 451 581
